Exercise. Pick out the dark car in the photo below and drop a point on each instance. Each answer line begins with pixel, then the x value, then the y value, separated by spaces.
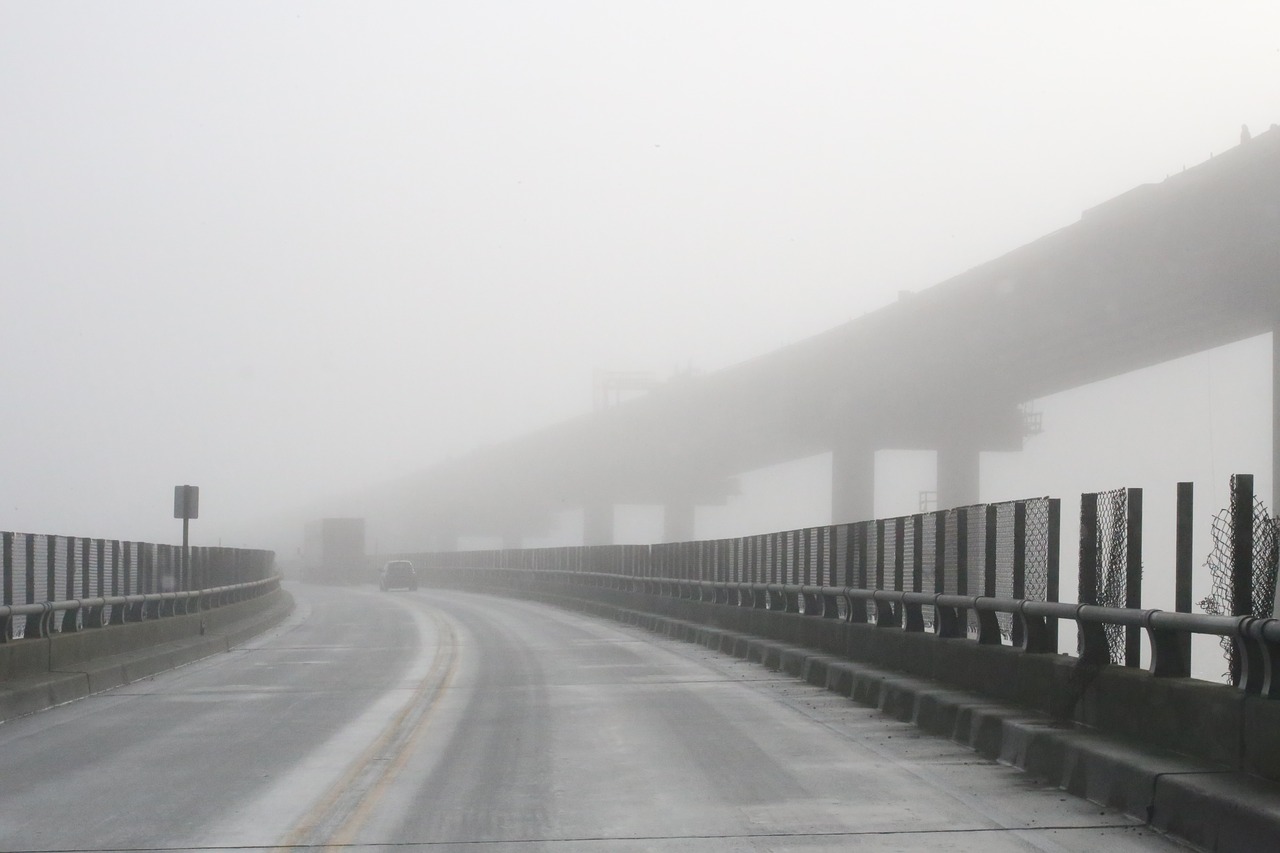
pixel 398 574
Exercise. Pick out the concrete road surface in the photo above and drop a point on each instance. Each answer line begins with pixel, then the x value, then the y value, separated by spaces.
pixel 442 721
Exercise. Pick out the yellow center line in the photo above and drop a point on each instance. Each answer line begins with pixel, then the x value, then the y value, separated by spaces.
pixel 402 732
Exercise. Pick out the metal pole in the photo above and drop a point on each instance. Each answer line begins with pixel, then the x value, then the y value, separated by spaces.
pixel 1133 574
pixel 1182 563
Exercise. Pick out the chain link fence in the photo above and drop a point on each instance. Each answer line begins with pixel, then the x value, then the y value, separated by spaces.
pixel 1242 564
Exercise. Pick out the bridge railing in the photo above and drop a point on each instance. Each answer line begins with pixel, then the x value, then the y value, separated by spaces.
pixel 989 573
pixel 53 584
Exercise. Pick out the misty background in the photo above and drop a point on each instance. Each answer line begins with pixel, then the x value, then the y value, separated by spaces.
pixel 290 251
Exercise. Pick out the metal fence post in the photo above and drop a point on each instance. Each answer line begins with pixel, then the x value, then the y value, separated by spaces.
pixel 7 538
pixel 989 564
pixel 879 553
pixel 1019 566
pixel 85 546
pixel 30 571
pixel 102 567
pixel 50 567
pixel 1088 580
pixel 1242 566
pixel 917 552
pixel 1053 559
pixel 1086 642
pixel 1183 557
pixel 1133 575
pixel 939 553
pixel 899 546
pixel 1242 545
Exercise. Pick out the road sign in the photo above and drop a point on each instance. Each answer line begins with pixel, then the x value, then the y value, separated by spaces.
pixel 186 501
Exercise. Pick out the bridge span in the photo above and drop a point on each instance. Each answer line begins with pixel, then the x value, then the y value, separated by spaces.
pixel 1163 271
pixel 444 720
pixel 496 709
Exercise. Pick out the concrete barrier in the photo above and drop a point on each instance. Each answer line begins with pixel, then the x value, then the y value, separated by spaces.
pixel 40 673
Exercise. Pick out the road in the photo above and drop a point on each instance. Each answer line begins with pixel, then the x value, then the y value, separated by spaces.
pixel 444 721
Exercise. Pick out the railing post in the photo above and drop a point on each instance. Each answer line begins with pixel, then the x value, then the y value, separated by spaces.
pixel 879 523
pixel 1088 582
pixel 1019 567
pixel 962 568
pixel 69 616
pixel 1182 598
pixel 899 561
pixel 32 628
pixel 50 567
pixel 7 539
pixel 1133 574
pixel 1053 570
pixel 1242 572
pixel 850 555
pixel 85 590
pixel 989 563
pixel 917 552
pixel 1088 592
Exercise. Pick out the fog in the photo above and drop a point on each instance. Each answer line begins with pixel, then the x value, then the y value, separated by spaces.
pixel 289 251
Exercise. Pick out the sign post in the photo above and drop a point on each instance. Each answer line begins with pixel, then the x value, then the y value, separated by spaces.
pixel 186 506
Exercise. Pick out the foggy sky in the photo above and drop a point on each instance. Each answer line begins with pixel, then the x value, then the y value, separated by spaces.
pixel 287 250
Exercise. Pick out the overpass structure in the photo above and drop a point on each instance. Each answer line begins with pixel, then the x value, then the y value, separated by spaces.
pixel 447 718
pixel 1163 271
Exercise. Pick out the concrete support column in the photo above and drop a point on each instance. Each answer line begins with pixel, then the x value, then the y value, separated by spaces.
pixel 853 483
pixel 597 523
pixel 958 474
pixel 678 521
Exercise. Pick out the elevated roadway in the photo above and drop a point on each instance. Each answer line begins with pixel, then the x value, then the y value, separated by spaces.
pixel 450 721
pixel 1162 271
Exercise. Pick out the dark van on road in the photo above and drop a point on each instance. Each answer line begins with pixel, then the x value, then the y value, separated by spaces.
pixel 398 574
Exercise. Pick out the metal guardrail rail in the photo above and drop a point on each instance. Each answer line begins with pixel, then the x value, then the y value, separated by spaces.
pixel 1257 639
pixel 77 614
pixel 51 584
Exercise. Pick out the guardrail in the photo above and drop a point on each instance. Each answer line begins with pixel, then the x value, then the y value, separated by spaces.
pixel 1257 640
pixel 41 618
pixel 988 573
pixel 52 584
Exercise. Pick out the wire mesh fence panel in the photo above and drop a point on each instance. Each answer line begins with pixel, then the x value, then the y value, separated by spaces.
pixel 929 562
pixel 61 550
pixel 827 556
pixel 975 557
pixel 951 553
pixel 870 550
pixel 93 566
pixel 909 579
pixel 40 589
pixel 20 586
pixel 1036 577
pixel 890 579
pixel 1263 571
pixel 1005 546
pixel 1112 575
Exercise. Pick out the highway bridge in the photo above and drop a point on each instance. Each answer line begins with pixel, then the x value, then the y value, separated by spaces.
pixel 889 684
pixel 1163 271
pixel 885 685
pixel 455 721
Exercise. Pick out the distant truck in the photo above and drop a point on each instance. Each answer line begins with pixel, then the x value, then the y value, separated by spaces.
pixel 333 551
